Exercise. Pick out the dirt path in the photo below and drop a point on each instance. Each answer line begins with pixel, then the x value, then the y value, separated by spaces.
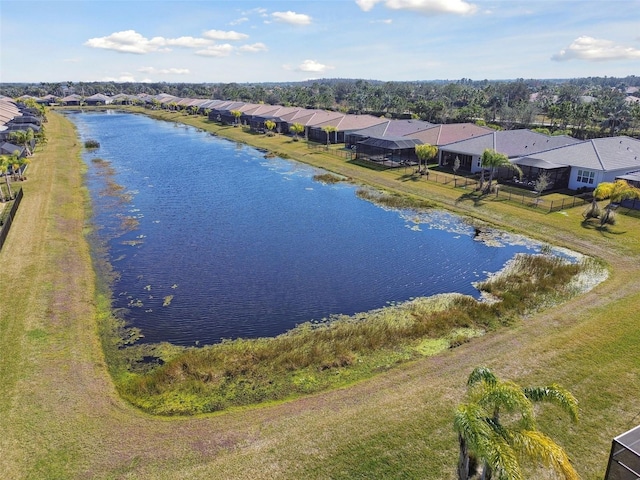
pixel 60 416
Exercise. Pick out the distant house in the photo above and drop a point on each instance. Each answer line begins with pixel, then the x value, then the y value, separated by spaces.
pixel 344 124
pixel 47 100
pixel 98 99
pixel 71 100
pixel 274 113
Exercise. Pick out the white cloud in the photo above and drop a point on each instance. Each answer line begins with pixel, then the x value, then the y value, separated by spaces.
pixel 127 41
pixel 189 42
pixel 256 47
pixel 125 77
pixel 222 50
pixel 428 7
pixel 239 21
pixel 596 49
pixel 222 35
pixel 164 71
pixel 386 21
pixel 313 66
pixel 291 18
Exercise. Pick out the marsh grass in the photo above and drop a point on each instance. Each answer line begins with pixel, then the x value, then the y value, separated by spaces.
pixel 316 356
pixel 329 178
pixel 113 189
pixel 393 200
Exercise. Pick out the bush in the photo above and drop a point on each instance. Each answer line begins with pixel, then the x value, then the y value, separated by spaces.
pixel 91 144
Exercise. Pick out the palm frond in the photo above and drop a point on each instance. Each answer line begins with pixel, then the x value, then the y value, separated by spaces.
pixel 557 395
pixel 532 444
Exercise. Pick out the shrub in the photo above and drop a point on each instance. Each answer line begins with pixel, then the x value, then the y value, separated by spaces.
pixel 91 144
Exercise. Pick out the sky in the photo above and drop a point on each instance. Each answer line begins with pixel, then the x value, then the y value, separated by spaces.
pixel 224 41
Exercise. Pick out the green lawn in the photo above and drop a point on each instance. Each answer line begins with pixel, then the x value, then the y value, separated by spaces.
pixel 60 417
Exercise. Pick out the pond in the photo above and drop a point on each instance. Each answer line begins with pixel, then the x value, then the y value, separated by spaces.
pixel 211 240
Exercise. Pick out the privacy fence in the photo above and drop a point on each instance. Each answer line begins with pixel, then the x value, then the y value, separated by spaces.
pixel 6 220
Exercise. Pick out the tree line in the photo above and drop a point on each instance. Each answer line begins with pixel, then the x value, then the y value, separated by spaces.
pixel 583 107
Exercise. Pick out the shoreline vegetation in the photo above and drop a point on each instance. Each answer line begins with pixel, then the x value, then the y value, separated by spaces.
pixel 62 417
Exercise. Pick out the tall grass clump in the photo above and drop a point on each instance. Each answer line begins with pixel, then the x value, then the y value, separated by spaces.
pixel 316 356
pixel 393 200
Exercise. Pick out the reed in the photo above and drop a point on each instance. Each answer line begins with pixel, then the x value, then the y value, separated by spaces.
pixel 341 349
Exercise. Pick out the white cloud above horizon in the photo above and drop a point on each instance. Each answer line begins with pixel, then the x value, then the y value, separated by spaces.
pixel 388 40
pixel 164 71
pixel 427 7
pixel 313 67
pixel 596 50
pixel 291 18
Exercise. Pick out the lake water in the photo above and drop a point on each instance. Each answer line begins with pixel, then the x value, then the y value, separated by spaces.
pixel 232 244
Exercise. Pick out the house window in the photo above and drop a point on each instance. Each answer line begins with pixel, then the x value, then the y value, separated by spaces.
pixel 586 176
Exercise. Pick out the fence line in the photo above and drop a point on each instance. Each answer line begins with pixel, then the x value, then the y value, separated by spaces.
pixel 524 199
pixel 6 224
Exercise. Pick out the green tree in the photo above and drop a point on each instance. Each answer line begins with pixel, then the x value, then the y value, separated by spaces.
pixel 492 161
pixel 270 125
pixel 425 153
pixel 6 163
pixel 616 192
pixel 497 432
pixel 296 129
pixel 23 138
pixel 236 114
pixel 328 129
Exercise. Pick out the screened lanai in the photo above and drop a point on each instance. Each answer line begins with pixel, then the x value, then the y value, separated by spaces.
pixel 532 168
pixel 388 151
pixel 624 459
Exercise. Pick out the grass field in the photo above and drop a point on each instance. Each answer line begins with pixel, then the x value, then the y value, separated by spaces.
pixel 61 418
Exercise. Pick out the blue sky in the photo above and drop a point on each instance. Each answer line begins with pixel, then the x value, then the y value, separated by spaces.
pixel 222 41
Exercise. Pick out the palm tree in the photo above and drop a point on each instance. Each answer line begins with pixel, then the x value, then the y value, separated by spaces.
pixel 328 129
pixel 236 114
pixel 497 447
pixel 270 125
pixel 616 192
pixel 23 138
pixel 425 153
pixel 493 161
pixel 6 161
pixel 296 129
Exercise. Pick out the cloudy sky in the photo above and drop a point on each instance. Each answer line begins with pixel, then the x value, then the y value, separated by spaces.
pixel 272 41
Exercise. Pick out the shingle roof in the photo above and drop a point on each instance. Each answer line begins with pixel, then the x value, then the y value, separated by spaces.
pixel 605 154
pixel 398 143
pixel 512 143
pixel 445 134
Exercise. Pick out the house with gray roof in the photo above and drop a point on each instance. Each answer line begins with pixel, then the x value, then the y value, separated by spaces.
pixel 73 99
pixel 587 163
pixel 387 129
pixel 512 143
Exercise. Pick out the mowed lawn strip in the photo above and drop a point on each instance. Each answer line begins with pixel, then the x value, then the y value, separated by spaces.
pixel 60 417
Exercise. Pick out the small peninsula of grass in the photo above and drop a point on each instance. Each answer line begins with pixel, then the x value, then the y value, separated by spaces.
pixel 343 349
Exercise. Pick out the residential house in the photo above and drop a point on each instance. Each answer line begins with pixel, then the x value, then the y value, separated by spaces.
pixel 585 164
pixel 512 143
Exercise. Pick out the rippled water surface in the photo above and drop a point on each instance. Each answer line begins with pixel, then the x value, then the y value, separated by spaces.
pixel 231 244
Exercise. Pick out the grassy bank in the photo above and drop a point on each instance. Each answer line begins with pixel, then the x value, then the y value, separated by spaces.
pixel 61 418
pixel 344 349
